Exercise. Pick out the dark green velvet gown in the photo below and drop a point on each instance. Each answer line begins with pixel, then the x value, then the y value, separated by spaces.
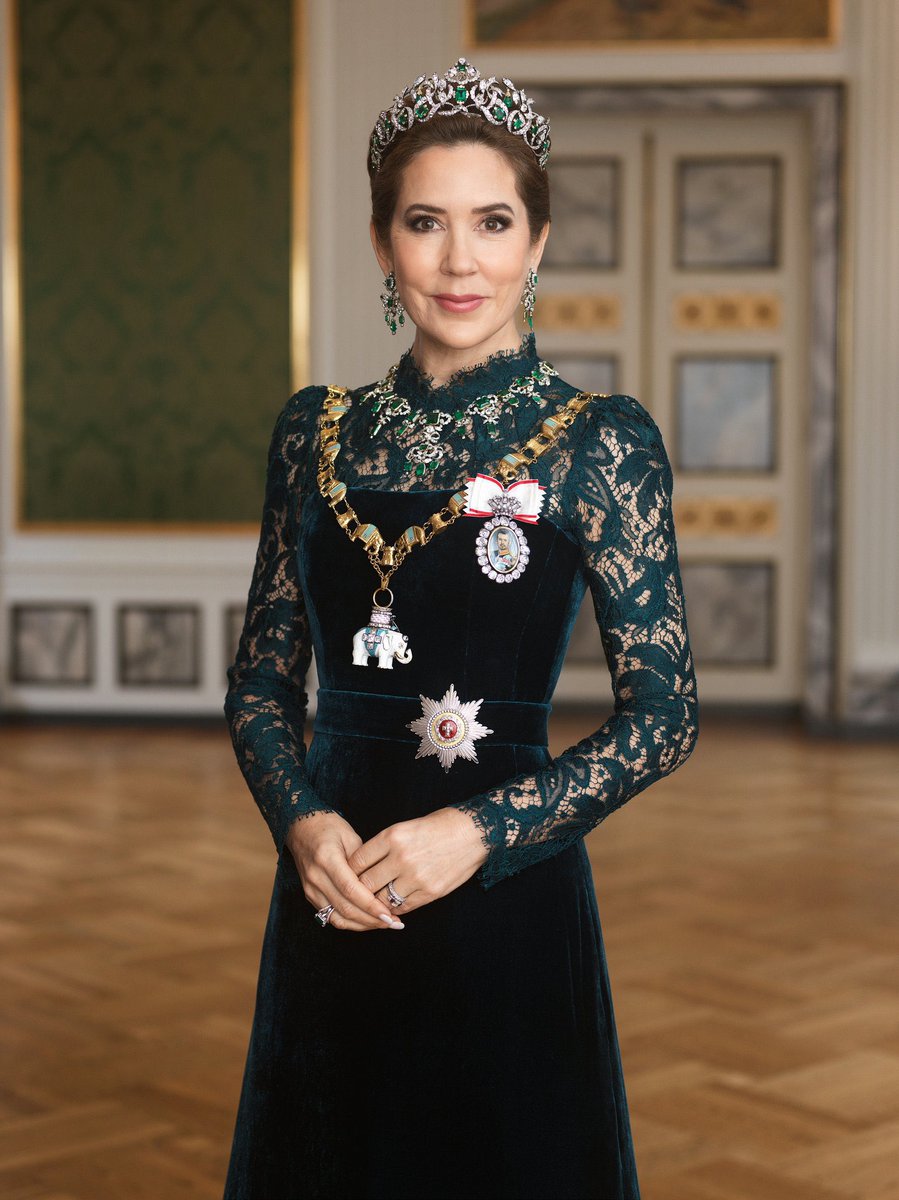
pixel 473 1054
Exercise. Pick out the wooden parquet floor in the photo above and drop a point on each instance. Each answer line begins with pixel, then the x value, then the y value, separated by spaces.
pixel 750 905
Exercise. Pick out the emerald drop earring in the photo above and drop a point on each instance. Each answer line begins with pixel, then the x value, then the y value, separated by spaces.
pixel 529 296
pixel 394 313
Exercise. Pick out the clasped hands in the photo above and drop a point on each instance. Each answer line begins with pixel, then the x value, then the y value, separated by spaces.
pixel 424 858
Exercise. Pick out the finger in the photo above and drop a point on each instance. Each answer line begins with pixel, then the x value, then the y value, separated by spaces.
pixel 339 921
pixel 368 853
pixel 355 900
pixel 319 900
pixel 377 880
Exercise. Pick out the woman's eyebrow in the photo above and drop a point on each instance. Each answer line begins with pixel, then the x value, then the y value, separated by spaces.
pixel 441 212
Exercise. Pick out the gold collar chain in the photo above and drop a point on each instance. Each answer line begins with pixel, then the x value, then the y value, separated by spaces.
pixel 386 557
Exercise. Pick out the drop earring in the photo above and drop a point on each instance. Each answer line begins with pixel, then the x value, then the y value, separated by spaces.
pixel 529 296
pixel 394 313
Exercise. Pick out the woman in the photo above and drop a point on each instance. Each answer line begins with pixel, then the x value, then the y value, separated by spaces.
pixel 472 1051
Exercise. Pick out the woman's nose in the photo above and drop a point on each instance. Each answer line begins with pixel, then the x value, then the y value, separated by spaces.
pixel 459 257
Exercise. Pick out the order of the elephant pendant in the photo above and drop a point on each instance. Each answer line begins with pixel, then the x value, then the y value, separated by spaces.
pixel 380 639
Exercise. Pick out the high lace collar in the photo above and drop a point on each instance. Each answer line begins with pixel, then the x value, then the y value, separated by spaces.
pixel 494 374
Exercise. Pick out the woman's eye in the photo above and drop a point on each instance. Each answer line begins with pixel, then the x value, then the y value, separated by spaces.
pixel 496 223
pixel 423 223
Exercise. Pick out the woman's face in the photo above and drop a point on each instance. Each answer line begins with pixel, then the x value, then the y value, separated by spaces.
pixel 461 249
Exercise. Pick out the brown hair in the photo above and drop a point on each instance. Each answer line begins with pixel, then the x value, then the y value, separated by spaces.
pixel 531 180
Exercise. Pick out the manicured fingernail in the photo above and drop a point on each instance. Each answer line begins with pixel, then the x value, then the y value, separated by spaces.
pixel 386 918
pixel 396 923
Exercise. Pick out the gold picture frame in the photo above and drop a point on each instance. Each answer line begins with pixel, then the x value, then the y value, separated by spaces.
pixel 666 24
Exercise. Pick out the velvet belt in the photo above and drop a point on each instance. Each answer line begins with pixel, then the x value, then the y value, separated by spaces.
pixel 375 714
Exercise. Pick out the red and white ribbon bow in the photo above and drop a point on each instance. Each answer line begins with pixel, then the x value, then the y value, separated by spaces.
pixel 482 488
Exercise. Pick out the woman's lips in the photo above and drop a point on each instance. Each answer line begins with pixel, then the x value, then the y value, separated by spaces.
pixel 459 304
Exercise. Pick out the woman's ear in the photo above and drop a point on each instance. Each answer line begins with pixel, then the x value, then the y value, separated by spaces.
pixel 380 254
pixel 538 246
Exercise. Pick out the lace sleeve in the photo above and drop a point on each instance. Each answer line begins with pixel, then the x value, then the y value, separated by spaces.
pixel 266 700
pixel 618 495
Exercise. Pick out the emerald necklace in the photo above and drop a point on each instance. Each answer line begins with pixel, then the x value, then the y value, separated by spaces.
pixel 387 407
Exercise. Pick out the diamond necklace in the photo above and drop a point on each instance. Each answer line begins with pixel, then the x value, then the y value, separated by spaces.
pixel 388 407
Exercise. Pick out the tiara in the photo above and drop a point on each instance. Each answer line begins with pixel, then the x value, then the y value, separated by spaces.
pixel 461 90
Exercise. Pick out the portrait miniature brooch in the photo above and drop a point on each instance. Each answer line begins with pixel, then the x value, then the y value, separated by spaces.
pixel 501 547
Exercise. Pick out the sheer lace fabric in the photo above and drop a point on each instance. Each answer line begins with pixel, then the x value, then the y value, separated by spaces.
pixel 609 486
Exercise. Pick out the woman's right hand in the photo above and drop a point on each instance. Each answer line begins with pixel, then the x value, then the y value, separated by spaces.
pixel 321 844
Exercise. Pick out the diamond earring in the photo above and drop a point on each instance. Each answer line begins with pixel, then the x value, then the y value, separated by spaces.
pixel 529 296
pixel 394 313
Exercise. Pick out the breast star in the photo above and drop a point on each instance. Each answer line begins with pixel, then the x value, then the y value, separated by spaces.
pixel 447 728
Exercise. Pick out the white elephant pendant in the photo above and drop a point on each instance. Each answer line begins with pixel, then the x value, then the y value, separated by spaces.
pixel 380 639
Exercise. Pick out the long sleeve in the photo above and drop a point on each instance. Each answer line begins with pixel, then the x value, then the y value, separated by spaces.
pixel 618 494
pixel 266 700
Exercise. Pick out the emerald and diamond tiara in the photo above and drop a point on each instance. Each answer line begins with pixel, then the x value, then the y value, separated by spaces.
pixel 461 90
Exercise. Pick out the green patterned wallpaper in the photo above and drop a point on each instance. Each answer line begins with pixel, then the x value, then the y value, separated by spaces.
pixel 155 255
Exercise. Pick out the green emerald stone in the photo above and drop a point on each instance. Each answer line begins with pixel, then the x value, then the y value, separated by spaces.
pixel 517 123
pixel 420 469
pixel 499 112
pixel 421 109
pixel 459 414
pixel 461 95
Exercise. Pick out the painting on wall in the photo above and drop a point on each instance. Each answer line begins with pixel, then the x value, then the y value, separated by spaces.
pixel 51 644
pixel 730 612
pixel 728 212
pixel 158 645
pixel 725 413
pixel 156 207
pixel 585 210
pixel 534 24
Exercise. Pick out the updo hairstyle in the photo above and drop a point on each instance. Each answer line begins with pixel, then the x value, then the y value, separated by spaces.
pixel 531 180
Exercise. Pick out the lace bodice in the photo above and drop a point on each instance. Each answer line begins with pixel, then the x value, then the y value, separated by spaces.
pixel 609 486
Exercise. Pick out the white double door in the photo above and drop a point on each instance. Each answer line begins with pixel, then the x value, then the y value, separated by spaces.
pixel 678 271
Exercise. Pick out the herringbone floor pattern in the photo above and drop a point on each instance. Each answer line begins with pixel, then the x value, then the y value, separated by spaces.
pixel 750 905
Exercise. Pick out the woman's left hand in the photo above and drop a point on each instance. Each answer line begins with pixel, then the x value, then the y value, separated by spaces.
pixel 423 858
